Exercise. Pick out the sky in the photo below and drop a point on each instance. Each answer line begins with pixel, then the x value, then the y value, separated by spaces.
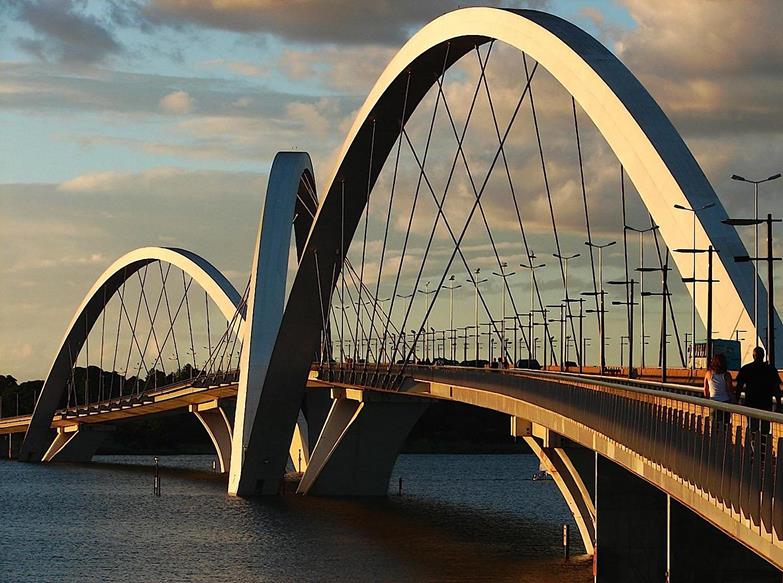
pixel 154 122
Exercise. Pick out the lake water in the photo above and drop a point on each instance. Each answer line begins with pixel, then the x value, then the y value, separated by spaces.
pixel 460 518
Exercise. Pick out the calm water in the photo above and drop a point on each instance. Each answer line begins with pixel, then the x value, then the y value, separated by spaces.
pixel 461 518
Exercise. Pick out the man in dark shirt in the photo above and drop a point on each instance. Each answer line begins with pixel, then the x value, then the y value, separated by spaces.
pixel 760 381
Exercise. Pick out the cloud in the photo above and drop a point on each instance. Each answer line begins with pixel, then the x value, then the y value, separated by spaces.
pixel 239 67
pixel 177 102
pixel 64 32
pixel 164 182
pixel 343 21
pixel 715 67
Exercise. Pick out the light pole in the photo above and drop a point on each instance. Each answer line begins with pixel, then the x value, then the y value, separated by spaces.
pixel 545 339
pixel 601 310
pixel 503 276
pixel 451 289
pixel 426 291
pixel 532 269
pixel 642 361
pixel 664 293
pixel 770 259
pixel 476 282
pixel 585 343
pixel 629 286
pixel 561 321
pixel 755 184
pixel 694 211
pixel 404 338
pixel 709 281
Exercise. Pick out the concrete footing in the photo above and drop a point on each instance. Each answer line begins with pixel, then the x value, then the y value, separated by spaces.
pixel 359 444
pixel 218 427
pixel 77 443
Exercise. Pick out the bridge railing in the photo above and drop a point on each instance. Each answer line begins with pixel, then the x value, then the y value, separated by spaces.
pixel 728 454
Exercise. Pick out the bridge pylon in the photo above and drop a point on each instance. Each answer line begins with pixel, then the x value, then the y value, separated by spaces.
pixel 266 413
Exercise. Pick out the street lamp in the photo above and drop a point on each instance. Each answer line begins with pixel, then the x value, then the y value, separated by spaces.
pixel 694 211
pixel 565 259
pixel 629 287
pixel 561 321
pixel 709 281
pixel 770 259
pixel 532 269
pixel 426 291
pixel 451 289
pixel 476 282
pixel 755 184
pixel 404 338
pixel 641 232
pixel 664 293
pixel 601 310
pixel 504 276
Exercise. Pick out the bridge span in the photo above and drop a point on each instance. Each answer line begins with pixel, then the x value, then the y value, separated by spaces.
pixel 662 483
pixel 678 459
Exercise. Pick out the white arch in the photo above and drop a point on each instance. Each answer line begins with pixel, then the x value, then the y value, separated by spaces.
pixel 656 159
pixel 203 273
pixel 648 146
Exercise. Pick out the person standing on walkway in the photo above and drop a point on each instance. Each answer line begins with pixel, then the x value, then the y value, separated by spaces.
pixel 760 381
pixel 717 381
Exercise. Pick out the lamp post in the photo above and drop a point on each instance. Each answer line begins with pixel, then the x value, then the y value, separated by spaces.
pixel 426 291
pixel 709 281
pixel 694 211
pixel 404 349
pixel 561 321
pixel 465 343
pixel 503 276
pixel 601 310
pixel 532 267
pixel 629 286
pixel 545 330
pixel 642 361
pixel 476 282
pixel 515 320
pixel 664 293
pixel 755 184
pixel 451 289
pixel 770 259
pixel 585 343
pixel 565 259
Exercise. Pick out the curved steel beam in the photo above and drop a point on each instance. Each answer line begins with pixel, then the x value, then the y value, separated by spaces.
pixel 652 152
pixel 225 296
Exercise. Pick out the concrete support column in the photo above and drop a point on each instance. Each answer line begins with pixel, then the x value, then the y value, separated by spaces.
pixel 631 527
pixel 359 444
pixel 76 443
pixel 215 421
pixel 555 459
pixel 701 552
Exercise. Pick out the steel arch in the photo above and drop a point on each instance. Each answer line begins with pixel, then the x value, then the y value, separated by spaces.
pixel 653 154
pixel 204 273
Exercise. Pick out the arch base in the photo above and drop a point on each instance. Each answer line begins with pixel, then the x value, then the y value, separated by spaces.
pixel 359 444
pixel 77 443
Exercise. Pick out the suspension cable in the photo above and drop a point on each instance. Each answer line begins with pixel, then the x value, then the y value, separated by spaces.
pixel 388 217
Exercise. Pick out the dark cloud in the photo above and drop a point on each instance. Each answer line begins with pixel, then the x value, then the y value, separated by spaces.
pixel 64 32
pixel 344 21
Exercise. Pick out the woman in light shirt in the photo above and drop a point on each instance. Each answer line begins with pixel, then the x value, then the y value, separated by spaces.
pixel 718 385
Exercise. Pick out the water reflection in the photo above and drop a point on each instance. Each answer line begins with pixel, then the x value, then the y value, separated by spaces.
pixel 461 518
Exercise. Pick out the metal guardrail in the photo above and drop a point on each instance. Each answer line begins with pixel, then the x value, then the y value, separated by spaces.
pixel 729 454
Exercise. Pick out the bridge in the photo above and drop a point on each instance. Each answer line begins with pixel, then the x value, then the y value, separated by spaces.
pixel 328 375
